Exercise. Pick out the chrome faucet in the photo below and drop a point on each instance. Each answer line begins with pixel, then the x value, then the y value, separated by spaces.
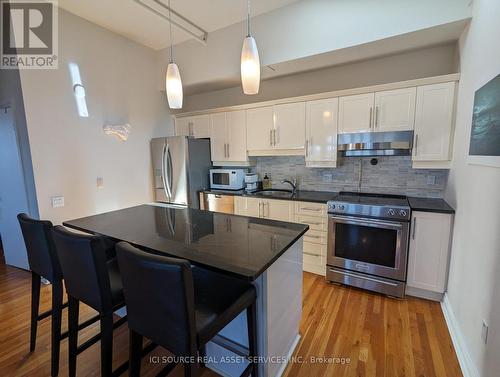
pixel 292 183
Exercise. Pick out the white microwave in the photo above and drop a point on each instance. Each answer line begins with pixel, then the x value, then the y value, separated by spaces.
pixel 227 179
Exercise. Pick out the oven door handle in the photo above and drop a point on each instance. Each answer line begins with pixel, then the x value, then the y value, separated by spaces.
pixel 370 223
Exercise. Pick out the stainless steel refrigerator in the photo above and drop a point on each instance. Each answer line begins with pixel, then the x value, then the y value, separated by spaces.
pixel 180 167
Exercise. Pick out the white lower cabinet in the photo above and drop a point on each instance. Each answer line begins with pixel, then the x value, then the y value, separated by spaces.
pixel 428 255
pixel 312 214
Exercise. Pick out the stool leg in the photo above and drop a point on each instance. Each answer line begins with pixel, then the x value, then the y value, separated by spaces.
pixel 35 302
pixel 107 344
pixel 73 307
pixel 57 297
pixel 135 354
pixel 252 336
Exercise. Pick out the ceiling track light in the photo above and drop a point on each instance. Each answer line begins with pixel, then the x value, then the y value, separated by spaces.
pixel 173 82
pixel 250 63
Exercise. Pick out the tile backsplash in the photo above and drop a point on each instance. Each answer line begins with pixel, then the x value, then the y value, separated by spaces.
pixel 392 175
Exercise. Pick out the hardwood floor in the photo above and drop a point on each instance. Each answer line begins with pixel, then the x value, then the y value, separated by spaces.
pixel 380 336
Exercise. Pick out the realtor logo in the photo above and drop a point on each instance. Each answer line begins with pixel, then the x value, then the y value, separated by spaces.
pixel 29 34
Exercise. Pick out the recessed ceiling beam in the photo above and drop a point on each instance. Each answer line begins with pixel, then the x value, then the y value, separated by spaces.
pixel 200 37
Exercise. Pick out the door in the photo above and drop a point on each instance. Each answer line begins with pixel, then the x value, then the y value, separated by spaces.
pixel 158 160
pixel 356 113
pixel 248 206
pixel 433 122
pixel 280 210
pixel 200 126
pixel 321 131
pixel 395 110
pixel 175 170
pixel 289 125
pixel 182 126
pixel 13 194
pixel 259 128
pixel 236 131
pixel 218 139
pixel 429 249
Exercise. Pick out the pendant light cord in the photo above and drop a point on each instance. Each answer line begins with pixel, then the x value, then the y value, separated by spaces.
pixel 170 28
pixel 248 18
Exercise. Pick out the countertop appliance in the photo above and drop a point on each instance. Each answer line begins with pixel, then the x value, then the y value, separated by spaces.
pixel 368 241
pixel 180 168
pixel 363 144
pixel 227 179
pixel 217 202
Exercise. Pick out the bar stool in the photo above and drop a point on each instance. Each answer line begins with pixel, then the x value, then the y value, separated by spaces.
pixel 180 307
pixel 43 262
pixel 92 278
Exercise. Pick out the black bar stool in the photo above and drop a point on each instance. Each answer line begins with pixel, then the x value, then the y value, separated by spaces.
pixel 91 277
pixel 180 307
pixel 43 262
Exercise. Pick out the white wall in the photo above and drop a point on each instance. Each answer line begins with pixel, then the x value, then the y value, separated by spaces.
pixel 432 61
pixel 69 152
pixel 474 282
pixel 308 28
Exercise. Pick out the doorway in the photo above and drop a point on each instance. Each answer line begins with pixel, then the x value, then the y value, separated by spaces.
pixel 13 194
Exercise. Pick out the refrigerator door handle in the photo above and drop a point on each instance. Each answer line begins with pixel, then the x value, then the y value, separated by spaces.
pixel 166 183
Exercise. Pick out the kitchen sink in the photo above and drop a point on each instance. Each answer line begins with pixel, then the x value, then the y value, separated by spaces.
pixel 274 193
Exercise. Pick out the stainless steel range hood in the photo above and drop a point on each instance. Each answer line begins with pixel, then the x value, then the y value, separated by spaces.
pixel 397 143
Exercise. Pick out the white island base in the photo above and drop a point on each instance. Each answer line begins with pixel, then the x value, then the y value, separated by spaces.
pixel 279 310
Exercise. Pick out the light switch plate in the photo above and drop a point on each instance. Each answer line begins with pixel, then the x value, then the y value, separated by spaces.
pixel 57 201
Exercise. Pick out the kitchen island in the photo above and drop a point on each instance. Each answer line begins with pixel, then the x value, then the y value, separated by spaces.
pixel 266 252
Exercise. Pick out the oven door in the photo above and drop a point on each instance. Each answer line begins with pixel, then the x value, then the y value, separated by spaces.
pixel 369 246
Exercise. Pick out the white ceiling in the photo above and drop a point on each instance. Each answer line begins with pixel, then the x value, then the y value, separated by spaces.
pixel 131 20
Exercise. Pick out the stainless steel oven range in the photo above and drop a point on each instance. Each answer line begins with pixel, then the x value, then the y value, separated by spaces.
pixel 368 241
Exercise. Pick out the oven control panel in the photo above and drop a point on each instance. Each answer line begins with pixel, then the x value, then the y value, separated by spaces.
pixel 358 209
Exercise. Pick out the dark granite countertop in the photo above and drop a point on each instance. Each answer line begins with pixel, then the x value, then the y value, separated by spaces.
pixel 301 195
pixel 430 205
pixel 236 245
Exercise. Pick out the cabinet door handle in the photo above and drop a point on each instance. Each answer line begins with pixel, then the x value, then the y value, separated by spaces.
pixel 228 154
pixel 307 147
pixel 311 209
pixel 260 203
pixel 416 144
pixel 190 127
pixel 310 223
pixel 315 237
pixel 376 117
pixel 414 228
pixel 370 118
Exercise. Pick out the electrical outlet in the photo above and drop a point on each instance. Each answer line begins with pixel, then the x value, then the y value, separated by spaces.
pixel 57 201
pixel 100 182
pixel 484 332
pixel 327 177
pixel 431 180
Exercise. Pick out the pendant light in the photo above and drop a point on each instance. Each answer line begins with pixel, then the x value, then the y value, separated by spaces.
pixel 173 82
pixel 250 64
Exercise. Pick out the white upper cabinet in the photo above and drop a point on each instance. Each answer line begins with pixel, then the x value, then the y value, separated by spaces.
pixel 228 137
pixel 394 110
pixel 356 113
pixel 218 143
pixel 195 126
pixel 274 129
pixel 321 132
pixel 260 127
pixel 237 136
pixel 434 122
pixel 429 251
pixel 289 125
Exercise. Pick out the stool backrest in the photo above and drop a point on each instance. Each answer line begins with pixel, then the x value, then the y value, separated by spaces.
pixel 159 296
pixel 42 256
pixel 83 263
